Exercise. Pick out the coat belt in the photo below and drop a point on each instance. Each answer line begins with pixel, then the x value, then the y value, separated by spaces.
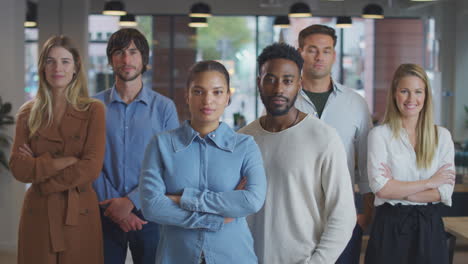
pixel 56 223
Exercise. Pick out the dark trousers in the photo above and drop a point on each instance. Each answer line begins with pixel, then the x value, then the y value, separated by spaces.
pixel 142 243
pixel 352 251
pixel 407 234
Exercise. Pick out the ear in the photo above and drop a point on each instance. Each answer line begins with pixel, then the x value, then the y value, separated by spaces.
pixel 187 96
pixel 109 62
pixel 299 84
pixel 258 81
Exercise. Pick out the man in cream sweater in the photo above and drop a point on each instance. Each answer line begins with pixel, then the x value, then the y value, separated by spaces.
pixel 309 212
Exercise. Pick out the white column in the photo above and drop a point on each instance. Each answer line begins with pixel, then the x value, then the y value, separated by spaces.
pixel 460 99
pixel 445 34
pixel 65 17
pixel 12 15
pixel 451 19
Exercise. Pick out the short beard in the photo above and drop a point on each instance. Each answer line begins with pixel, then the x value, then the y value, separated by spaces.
pixel 127 79
pixel 277 112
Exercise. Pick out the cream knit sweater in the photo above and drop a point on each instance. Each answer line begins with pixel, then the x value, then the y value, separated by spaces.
pixel 309 213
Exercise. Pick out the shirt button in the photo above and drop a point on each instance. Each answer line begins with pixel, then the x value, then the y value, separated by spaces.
pixel 213 135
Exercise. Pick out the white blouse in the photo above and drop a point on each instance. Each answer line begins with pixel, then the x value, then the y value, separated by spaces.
pixel 399 155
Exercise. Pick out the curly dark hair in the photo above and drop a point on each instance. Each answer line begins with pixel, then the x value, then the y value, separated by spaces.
pixel 280 51
pixel 122 38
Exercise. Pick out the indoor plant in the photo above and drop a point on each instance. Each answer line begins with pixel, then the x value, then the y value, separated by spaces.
pixel 5 140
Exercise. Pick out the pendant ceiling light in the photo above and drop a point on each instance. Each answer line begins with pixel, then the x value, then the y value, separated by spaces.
pixel 344 22
pixel 128 21
pixel 281 22
pixel 374 11
pixel 31 15
pixel 299 10
pixel 114 8
pixel 198 22
pixel 200 10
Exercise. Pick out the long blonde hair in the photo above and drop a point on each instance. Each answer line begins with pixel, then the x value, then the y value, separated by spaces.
pixel 426 131
pixel 76 94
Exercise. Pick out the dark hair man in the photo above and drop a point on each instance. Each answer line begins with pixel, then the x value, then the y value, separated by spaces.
pixel 134 114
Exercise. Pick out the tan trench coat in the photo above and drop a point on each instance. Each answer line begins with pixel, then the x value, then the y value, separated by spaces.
pixel 60 221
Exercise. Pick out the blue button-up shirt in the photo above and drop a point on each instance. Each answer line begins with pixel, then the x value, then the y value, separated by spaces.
pixel 129 128
pixel 206 172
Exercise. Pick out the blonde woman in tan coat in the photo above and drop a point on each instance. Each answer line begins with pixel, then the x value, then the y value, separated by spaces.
pixel 59 149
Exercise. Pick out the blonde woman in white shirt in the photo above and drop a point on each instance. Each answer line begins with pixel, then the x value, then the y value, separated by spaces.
pixel 411 171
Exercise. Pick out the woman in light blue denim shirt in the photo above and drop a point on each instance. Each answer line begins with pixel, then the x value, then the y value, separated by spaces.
pixel 201 180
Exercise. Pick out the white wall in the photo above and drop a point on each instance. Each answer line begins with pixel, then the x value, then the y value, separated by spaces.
pixel 12 16
pixel 65 17
pixel 460 131
pixel 451 20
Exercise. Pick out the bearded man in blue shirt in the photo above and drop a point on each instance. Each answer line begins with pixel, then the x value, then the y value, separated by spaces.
pixel 134 114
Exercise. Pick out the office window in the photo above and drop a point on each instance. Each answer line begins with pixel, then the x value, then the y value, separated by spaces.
pixel 31 58
pixel 229 40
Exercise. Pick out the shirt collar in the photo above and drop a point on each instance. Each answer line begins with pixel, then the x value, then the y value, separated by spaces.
pixel 142 96
pixel 223 137
pixel 336 86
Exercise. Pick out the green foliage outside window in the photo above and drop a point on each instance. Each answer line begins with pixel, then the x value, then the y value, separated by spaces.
pixel 223 37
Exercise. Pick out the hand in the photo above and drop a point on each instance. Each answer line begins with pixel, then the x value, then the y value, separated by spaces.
pixel 132 223
pixel 25 150
pixel 174 198
pixel 228 220
pixel 363 221
pixel 386 171
pixel 118 208
pixel 241 185
pixel 444 175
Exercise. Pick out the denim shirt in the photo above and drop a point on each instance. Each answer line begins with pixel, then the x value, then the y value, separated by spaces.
pixel 129 128
pixel 206 172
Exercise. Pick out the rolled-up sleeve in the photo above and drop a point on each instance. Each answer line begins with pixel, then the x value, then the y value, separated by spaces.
pixel 447 155
pixel 377 154
pixel 157 207
pixel 235 203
